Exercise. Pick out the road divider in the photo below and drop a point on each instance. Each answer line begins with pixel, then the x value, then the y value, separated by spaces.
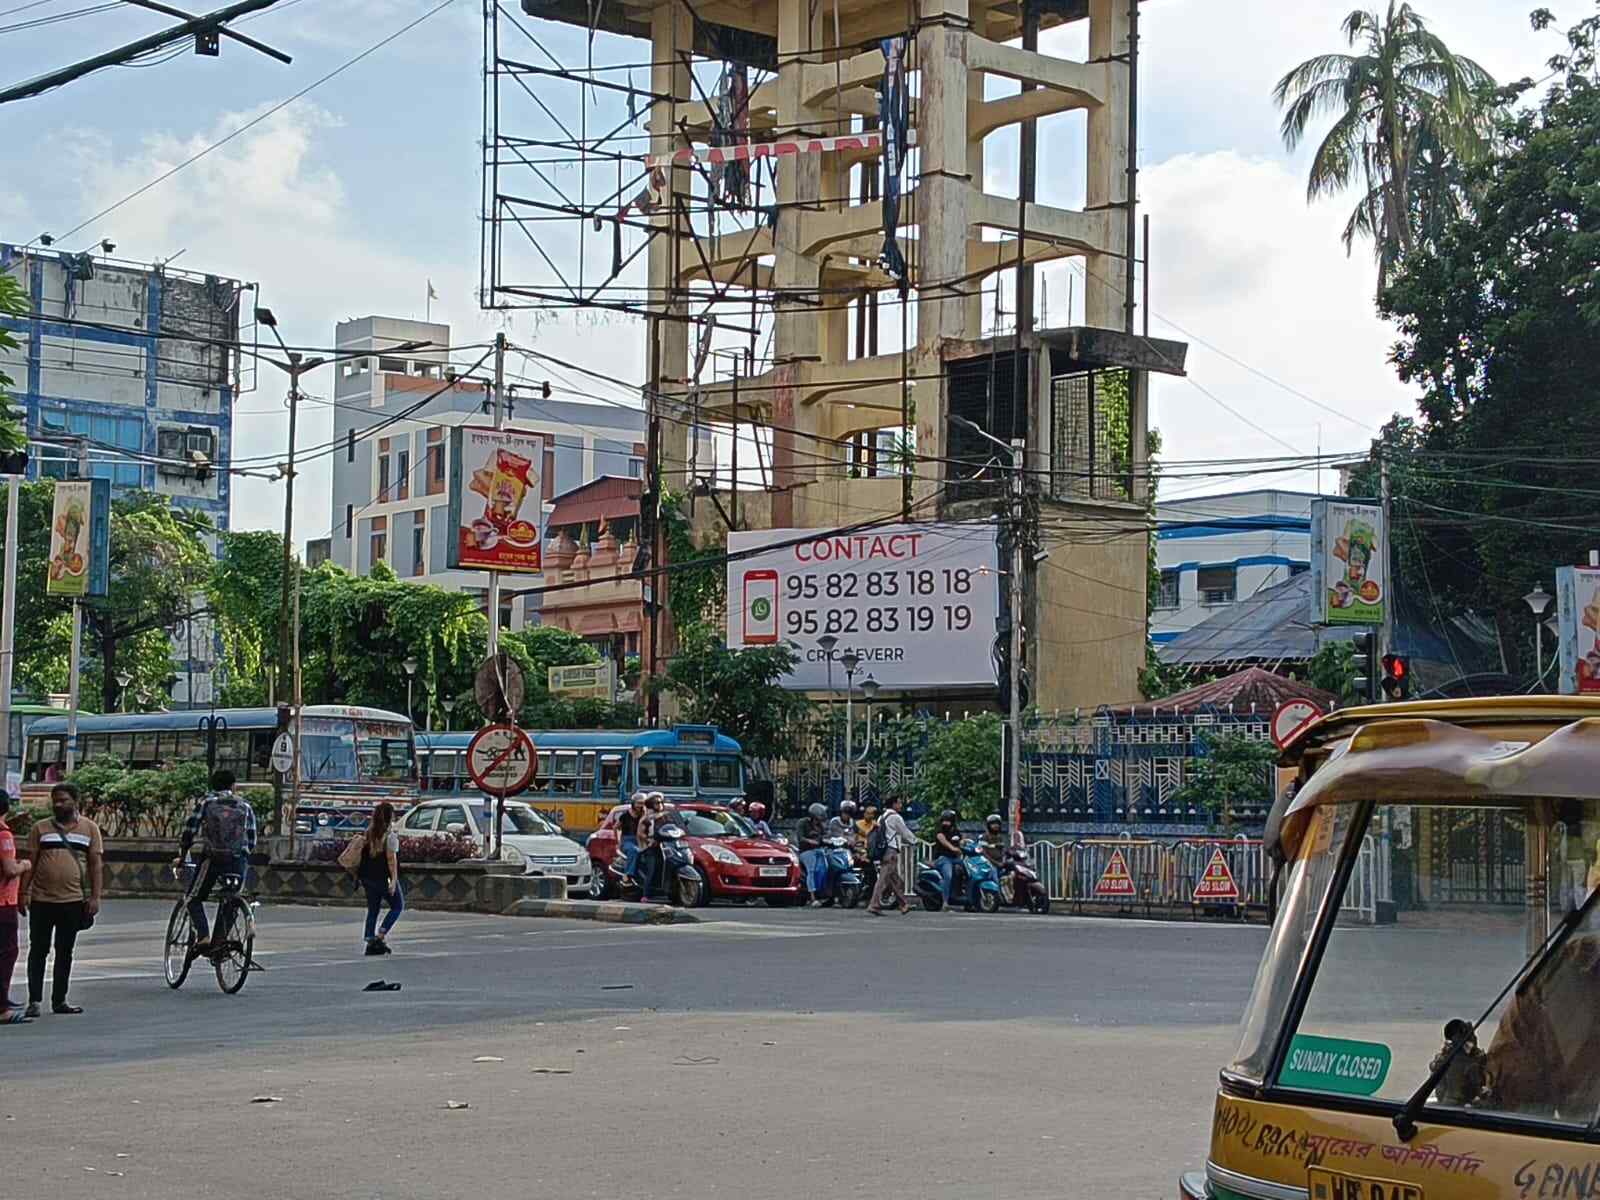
pixel 602 910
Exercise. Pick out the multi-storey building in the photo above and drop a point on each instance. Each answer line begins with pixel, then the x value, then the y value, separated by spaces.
pixel 390 483
pixel 139 366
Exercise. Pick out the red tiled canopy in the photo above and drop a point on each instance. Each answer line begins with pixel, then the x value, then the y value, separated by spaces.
pixel 1243 689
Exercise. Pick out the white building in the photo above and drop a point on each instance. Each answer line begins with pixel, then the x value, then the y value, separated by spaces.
pixel 1215 551
pixel 391 459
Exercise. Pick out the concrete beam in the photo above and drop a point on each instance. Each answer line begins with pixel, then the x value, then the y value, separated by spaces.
pixel 1088 232
pixel 821 80
pixel 984 117
pixel 1090 82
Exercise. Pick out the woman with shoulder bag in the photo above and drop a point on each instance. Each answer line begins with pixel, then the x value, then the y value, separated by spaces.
pixel 379 873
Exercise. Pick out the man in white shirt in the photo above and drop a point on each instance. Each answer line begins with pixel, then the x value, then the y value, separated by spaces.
pixel 898 841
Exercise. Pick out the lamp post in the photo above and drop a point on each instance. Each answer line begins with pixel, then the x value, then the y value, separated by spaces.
pixel 869 689
pixel 850 660
pixel 826 643
pixel 123 680
pixel 427 707
pixel 449 706
pixel 1537 601
pixel 410 665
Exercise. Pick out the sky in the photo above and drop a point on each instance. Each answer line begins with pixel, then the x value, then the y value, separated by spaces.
pixel 349 200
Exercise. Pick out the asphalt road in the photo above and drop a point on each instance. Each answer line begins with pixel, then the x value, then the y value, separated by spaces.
pixel 762 1053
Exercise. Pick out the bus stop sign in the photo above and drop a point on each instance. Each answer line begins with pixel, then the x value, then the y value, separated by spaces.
pixel 500 760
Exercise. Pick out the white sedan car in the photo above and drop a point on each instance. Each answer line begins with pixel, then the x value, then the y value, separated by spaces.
pixel 545 849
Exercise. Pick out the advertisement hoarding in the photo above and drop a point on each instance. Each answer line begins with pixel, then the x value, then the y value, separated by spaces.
pixel 80 538
pixel 1578 620
pixel 1349 563
pixel 596 680
pixel 496 500
pixel 918 603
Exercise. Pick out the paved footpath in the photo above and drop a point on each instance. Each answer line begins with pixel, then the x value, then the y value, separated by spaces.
pixel 759 1054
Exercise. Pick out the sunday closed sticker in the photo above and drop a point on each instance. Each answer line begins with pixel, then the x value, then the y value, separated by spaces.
pixel 1322 1064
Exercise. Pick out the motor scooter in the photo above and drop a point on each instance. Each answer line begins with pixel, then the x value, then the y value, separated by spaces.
pixel 971 868
pixel 841 882
pixel 680 879
pixel 1020 885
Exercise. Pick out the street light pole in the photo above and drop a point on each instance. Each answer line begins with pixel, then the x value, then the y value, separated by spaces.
pixel 410 665
pixel 8 625
pixel 850 660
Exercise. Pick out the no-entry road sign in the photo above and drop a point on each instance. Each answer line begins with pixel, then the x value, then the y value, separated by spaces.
pixel 500 760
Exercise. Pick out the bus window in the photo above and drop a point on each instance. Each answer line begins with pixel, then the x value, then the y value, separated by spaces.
pixel 191 746
pixel 541 774
pixel 442 769
pixel 231 749
pixel 666 771
pixel 120 747
pixel 564 775
pixel 145 752
pixel 611 774
pixel 91 746
pixel 719 773
pixel 261 753
pixel 44 754
pixel 586 773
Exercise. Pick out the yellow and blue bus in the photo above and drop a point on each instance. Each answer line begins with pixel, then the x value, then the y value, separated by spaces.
pixel 581 776
pixel 348 754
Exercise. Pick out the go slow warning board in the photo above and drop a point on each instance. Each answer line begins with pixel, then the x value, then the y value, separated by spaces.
pixel 1115 883
pixel 1217 884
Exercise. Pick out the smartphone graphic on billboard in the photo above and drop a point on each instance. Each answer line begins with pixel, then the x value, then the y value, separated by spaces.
pixel 760 608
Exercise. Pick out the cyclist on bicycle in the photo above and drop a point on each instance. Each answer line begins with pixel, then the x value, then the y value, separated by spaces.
pixel 227 824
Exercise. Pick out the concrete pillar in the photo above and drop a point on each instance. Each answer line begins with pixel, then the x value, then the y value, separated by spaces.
pixel 976 303
pixel 671 35
pixel 797 331
pixel 940 207
pixel 1108 165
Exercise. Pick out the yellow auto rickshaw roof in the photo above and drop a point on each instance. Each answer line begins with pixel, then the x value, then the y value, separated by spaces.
pixel 1508 751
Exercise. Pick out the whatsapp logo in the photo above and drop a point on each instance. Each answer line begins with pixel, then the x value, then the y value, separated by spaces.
pixel 761 608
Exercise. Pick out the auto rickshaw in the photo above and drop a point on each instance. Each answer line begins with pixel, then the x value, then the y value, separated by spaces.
pixel 1425 1021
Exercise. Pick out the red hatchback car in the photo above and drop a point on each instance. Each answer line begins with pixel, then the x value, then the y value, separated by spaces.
pixel 737 864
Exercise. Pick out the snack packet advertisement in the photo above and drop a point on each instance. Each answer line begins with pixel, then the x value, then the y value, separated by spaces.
pixel 496 500
pixel 1349 564
pixel 80 528
pixel 1578 620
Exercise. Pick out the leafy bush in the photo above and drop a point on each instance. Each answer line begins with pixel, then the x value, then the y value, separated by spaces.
pixel 961 769
pixel 139 803
pixel 1234 772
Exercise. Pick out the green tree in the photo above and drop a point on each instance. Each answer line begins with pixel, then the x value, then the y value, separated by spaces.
pixel 738 691
pixel 1333 669
pixel 1499 331
pixel 1234 772
pixel 245 590
pixel 13 303
pixel 1407 113
pixel 960 768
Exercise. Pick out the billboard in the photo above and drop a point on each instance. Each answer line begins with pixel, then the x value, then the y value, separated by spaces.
pixel 918 603
pixel 598 680
pixel 496 500
pixel 1578 620
pixel 1349 563
pixel 80 538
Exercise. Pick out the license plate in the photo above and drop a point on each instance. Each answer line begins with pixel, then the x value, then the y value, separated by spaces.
pixel 774 872
pixel 1336 1185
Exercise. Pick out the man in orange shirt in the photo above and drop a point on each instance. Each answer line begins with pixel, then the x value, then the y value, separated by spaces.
pixel 11 873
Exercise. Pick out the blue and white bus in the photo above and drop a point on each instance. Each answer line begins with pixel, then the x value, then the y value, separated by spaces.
pixel 581 776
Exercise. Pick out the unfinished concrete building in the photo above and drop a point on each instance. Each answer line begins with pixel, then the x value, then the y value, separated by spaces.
pixel 842 284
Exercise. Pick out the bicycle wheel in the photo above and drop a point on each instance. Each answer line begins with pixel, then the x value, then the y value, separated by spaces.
pixel 233 942
pixel 180 937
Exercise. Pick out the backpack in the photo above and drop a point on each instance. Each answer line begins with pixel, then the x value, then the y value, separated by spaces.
pixel 878 843
pixel 224 824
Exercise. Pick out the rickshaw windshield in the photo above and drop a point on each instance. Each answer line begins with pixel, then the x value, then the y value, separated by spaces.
pixel 1445 904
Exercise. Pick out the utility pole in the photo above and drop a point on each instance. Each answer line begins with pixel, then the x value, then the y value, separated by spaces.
pixel 494 576
pixel 1018 517
pixel 74 667
pixel 8 625
pixel 1387 639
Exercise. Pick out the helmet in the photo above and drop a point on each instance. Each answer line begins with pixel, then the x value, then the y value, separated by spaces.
pixel 949 814
pixel 817 811
pixel 655 799
pixel 758 810
pixel 993 819
pixel 847 806
pixel 639 798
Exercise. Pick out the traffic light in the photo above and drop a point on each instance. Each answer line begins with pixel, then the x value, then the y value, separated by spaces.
pixel 1396 676
pixel 1365 646
pixel 13 462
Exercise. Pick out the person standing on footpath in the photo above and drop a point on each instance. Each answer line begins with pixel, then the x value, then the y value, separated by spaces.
pixel 898 841
pixel 379 873
pixel 62 893
pixel 11 872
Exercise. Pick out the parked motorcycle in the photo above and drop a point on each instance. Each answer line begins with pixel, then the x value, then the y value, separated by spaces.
pixel 841 882
pixel 679 878
pixel 1020 885
pixel 972 867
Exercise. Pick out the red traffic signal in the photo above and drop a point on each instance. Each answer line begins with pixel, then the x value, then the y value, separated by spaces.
pixel 1396 676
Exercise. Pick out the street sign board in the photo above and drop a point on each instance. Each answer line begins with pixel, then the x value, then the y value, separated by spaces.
pixel 1349 563
pixel 80 538
pixel 917 603
pixel 499 690
pixel 1291 715
pixel 283 754
pixel 596 680
pixel 496 500
pixel 500 760
pixel 1217 883
pixel 1578 623
pixel 1115 883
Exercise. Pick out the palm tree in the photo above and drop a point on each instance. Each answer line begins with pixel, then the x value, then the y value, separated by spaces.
pixel 1408 115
